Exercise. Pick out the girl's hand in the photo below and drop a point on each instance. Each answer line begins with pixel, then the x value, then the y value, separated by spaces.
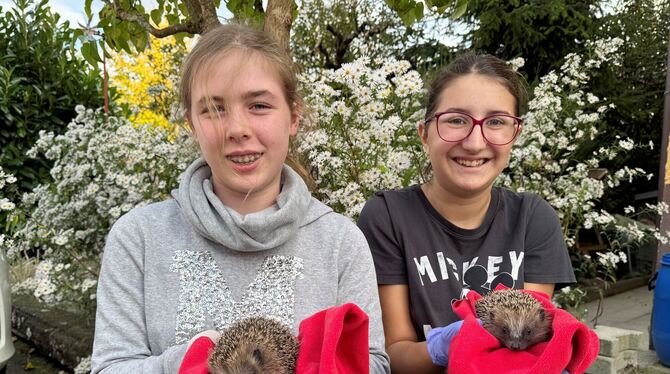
pixel 439 339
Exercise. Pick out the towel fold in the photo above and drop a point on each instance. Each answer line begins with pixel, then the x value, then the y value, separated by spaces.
pixel 334 340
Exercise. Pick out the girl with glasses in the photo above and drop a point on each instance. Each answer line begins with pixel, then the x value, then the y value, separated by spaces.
pixel 242 235
pixel 434 242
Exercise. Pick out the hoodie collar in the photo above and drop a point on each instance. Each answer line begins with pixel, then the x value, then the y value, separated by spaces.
pixel 266 229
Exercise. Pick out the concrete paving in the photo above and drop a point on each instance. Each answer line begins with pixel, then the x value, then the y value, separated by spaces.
pixel 629 310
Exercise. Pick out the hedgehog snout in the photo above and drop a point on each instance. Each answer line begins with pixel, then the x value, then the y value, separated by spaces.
pixel 516 344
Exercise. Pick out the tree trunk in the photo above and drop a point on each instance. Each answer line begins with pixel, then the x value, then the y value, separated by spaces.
pixel 278 20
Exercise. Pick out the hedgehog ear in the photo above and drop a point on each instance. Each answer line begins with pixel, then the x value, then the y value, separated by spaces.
pixel 258 356
pixel 542 316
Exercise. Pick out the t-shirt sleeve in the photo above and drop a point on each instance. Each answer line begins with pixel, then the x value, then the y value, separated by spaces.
pixel 388 256
pixel 547 258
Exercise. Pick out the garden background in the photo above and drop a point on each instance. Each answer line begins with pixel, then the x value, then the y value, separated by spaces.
pixel 91 128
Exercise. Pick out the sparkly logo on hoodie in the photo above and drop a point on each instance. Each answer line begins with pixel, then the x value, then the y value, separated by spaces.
pixel 205 293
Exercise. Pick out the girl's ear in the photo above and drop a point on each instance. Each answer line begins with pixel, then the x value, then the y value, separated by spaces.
pixel 191 127
pixel 189 120
pixel 296 115
pixel 423 133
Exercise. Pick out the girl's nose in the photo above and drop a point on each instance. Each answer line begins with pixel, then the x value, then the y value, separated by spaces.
pixel 238 126
pixel 475 140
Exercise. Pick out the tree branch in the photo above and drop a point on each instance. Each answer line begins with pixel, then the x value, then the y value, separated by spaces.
pixel 342 42
pixel 202 17
pixel 328 64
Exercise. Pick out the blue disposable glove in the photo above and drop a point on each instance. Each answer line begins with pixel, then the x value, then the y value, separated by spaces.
pixel 438 342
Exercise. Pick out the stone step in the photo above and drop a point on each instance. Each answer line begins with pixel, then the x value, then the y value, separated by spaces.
pixel 625 352
pixel 61 335
pixel 614 340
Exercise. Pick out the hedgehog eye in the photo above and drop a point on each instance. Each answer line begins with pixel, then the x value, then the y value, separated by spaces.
pixel 258 356
pixel 527 332
pixel 505 330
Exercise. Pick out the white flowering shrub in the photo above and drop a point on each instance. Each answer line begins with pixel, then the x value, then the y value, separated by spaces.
pixel 103 167
pixel 362 134
pixel 6 205
pixel 554 157
pixel 6 180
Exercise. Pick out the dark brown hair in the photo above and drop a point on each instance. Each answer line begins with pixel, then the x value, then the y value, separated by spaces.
pixel 477 63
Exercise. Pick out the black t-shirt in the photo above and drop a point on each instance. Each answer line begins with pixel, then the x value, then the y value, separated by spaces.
pixel 519 241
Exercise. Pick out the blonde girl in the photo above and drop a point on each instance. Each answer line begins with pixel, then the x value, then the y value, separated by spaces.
pixel 242 236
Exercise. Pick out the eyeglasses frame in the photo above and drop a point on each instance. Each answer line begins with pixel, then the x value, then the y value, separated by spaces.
pixel 475 122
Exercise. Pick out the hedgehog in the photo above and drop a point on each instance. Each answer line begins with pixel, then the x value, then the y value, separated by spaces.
pixel 515 318
pixel 255 345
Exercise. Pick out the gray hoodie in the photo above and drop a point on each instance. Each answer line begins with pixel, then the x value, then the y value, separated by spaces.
pixel 173 269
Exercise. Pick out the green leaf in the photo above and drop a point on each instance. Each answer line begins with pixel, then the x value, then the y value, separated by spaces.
pixel 172 18
pixel 408 10
pixel 461 8
pixel 156 16
pixel 141 41
pixel 90 52
pixel 441 5
pixel 182 8
pixel 87 8
pixel 244 10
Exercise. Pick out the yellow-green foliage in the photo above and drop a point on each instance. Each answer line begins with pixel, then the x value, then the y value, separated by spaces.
pixel 147 82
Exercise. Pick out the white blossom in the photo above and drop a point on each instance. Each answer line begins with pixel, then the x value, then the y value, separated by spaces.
pixel 626 144
pixel 516 63
pixel 5 204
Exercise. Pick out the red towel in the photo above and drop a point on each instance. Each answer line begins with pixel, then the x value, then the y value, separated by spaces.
pixel 195 360
pixel 334 340
pixel 573 346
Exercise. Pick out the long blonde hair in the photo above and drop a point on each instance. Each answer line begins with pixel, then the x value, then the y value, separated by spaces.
pixel 236 37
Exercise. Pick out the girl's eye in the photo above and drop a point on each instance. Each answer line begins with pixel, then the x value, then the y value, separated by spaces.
pixel 455 120
pixel 215 108
pixel 259 106
pixel 497 121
